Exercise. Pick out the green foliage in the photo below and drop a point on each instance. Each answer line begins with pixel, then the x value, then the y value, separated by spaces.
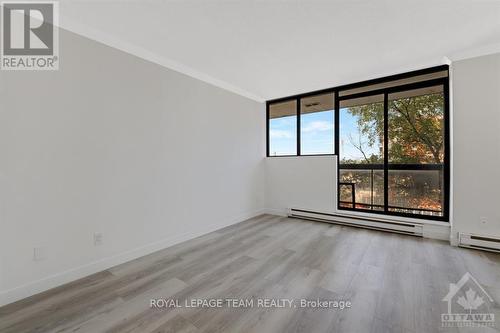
pixel 415 129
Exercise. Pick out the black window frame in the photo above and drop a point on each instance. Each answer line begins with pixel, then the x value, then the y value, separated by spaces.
pixel 444 81
pixel 297 99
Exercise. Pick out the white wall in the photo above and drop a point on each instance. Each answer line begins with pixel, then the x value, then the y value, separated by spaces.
pixel 476 141
pixel 113 144
pixel 306 182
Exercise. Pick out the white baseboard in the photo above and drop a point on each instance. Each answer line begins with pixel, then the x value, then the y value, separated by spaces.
pixel 453 237
pixel 278 212
pixel 436 232
pixel 58 279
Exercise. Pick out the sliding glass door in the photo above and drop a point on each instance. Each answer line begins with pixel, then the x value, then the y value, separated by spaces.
pixel 392 150
pixel 361 177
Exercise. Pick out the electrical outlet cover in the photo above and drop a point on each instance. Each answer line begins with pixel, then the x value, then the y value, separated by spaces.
pixel 97 239
pixel 39 254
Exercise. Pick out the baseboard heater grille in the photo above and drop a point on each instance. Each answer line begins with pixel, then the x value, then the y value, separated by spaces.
pixel 479 242
pixel 413 229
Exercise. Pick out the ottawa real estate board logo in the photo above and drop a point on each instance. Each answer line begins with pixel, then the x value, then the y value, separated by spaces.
pixel 29 35
pixel 469 305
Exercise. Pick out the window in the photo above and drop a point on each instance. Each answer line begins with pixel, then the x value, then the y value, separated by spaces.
pixel 317 124
pixel 391 136
pixel 302 126
pixel 416 151
pixel 393 150
pixel 361 131
pixel 283 128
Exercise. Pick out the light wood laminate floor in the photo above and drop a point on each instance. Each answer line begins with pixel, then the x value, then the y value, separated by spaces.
pixel 395 283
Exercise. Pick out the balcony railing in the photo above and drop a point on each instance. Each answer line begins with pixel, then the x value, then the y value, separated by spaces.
pixel 412 188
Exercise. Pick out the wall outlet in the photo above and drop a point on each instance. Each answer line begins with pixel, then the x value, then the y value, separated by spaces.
pixel 98 239
pixel 39 254
pixel 483 220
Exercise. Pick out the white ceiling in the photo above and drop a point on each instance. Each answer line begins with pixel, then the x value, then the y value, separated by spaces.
pixel 270 49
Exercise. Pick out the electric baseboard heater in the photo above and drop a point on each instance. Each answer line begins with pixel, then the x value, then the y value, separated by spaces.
pixel 413 229
pixel 479 242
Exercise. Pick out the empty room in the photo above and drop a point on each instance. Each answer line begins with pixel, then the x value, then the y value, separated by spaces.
pixel 249 166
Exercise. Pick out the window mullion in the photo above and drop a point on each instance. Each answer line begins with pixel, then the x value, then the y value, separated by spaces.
pixel 298 126
pixel 386 152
